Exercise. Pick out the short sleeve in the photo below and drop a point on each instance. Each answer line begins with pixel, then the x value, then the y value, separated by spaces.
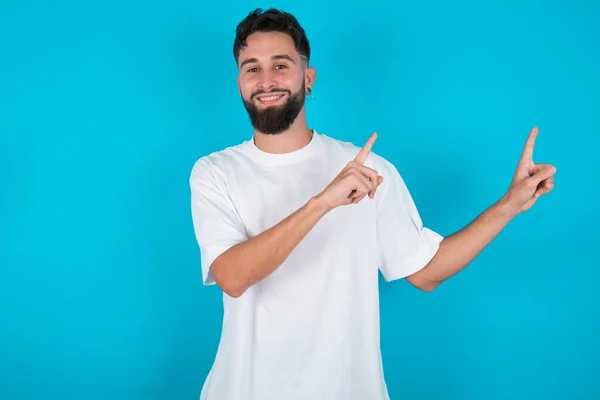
pixel 217 226
pixel 405 245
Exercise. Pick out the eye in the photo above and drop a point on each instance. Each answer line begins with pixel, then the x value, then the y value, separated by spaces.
pixel 253 69
pixel 281 66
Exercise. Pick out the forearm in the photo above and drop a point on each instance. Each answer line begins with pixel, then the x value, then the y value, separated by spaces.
pixel 251 261
pixel 458 250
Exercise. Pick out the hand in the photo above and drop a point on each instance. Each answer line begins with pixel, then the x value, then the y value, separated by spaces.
pixel 530 180
pixel 354 182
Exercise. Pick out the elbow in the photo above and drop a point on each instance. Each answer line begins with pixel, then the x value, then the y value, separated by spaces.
pixel 232 290
pixel 428 286
pixel 229 285
pixel 423 284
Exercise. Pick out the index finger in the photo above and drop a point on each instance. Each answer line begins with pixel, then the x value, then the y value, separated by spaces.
pixel 366 149
pixel 528 150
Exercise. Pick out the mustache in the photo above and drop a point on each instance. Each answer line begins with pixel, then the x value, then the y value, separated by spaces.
pixel 259 92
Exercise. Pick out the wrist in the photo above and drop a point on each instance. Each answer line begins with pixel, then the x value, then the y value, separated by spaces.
pixel 319 205
pixel 507 208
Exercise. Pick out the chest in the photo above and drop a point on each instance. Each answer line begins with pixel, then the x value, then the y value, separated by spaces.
pixel 265 196
pixel 337 252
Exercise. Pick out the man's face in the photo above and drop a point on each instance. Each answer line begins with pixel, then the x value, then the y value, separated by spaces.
pixel 272 81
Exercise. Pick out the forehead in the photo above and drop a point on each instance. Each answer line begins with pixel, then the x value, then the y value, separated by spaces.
pixel 264 45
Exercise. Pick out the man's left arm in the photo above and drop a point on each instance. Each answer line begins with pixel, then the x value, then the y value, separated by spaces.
pixel 458 250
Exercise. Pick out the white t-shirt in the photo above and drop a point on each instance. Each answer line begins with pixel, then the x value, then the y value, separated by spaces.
pixel 311 329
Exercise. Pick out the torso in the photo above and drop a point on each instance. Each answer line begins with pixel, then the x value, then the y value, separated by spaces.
pixel 311 329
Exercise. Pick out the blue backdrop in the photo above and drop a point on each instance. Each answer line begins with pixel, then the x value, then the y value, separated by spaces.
pixel 105 106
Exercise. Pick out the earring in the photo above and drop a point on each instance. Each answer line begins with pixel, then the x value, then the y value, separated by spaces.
pixel 309 96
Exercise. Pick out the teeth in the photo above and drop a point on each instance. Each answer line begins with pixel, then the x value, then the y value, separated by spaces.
pixel 270 98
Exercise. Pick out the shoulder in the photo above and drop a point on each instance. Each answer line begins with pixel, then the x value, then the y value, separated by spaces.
pixel 383 165
pixel 211 165
pixel 350 150
pixel 334 145
pixel 208 178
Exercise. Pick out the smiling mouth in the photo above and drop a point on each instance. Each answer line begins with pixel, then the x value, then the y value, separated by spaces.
pixel 269 99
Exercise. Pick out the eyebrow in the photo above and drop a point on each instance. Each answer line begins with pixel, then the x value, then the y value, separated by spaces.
pixel 276 57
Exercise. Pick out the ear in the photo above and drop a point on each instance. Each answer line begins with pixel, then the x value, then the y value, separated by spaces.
pixel 309 76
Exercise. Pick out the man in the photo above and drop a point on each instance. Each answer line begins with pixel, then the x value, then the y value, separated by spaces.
pixel 294 227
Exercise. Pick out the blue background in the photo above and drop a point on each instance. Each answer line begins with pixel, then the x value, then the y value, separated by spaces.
pixel 105 106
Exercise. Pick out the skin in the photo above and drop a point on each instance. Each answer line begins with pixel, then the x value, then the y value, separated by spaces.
pixel 270 62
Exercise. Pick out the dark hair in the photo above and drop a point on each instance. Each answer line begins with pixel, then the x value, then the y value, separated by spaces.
pixel 272 20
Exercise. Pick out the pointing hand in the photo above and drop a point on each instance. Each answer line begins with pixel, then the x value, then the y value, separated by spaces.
pixel 530 180
pixel 354 182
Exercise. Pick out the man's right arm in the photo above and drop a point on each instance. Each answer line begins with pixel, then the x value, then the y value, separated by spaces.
pixel 250 261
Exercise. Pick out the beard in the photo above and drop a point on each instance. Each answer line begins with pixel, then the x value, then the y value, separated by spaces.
pixel 275 119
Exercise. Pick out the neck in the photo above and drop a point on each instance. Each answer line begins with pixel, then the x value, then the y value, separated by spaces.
pixel 294 138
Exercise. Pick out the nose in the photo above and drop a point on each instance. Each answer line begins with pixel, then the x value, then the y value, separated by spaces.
pixel 267 81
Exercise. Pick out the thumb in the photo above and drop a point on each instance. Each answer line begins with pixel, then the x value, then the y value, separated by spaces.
pixel 543 174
